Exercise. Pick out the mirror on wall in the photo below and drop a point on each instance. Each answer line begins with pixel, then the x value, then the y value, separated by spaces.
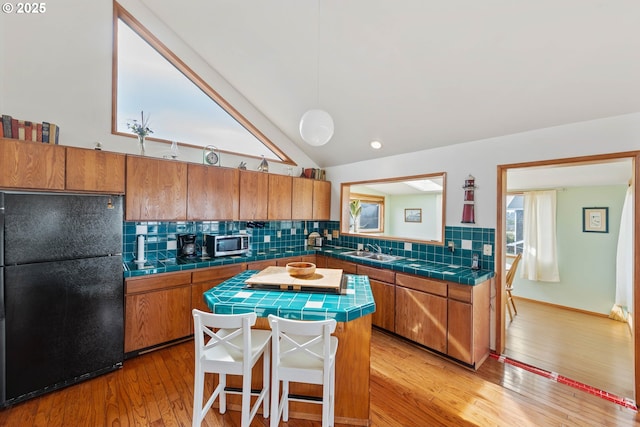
pixel 410 208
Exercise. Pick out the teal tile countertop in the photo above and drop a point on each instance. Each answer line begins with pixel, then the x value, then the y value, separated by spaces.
pixel 233 296
pixel 434 270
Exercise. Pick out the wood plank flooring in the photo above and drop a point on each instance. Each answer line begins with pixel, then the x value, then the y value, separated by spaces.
pixel 409 387
pixel 591 349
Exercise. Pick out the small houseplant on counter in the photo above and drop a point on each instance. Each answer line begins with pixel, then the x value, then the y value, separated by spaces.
pixel 141 129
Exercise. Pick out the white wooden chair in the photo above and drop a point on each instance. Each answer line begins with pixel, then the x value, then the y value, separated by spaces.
pixel 226 345
pixel 302 352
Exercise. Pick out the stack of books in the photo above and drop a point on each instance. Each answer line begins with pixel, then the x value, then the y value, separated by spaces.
pixel 45 132
pixel 313 173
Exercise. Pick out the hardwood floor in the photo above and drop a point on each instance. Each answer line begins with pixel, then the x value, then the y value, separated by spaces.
pixel 594 350
pixel 409 387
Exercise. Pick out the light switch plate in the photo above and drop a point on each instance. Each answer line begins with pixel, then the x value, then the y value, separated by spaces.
pixel 487 250
pixel 408 246
pixel 278 234
pixel 466 244
pixel 267 239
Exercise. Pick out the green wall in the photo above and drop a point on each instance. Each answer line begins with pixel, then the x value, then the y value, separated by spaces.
pixel 587 261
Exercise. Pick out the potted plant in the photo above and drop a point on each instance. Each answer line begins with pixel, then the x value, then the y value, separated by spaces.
pixel 355 209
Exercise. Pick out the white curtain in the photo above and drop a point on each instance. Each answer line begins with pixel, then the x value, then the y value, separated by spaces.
pixel 540 255
pixel 624 262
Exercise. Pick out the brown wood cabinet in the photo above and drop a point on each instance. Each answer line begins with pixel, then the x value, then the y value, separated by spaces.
pixel 302 198
pixel 156 189
pixel 321 200
pixel 468 322
pixel 95 171
pixel 279 204
pixel 31 165
pixel 207 278
pixel 346 266
pixel 213 193
pixel 421 311
pixel 254 195
pixel 383 287
pixel 157 309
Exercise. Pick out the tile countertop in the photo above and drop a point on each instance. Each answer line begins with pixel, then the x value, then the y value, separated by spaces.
pixel 233 296
pixel 434 270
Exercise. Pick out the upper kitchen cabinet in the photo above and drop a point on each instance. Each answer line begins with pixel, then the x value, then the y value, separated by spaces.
pixel 95 171
pixel 213 193
pixel 279 204
pixel 31 165
pixel 156 189
pixel 302 199
pixel 321 200
pixel 254 193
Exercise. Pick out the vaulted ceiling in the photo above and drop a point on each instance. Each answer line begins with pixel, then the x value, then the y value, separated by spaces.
pixel 418 74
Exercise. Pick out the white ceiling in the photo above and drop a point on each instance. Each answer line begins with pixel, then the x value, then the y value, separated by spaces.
pixel 418 74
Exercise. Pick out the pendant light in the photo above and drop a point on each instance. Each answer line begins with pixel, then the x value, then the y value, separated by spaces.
pixel 316 125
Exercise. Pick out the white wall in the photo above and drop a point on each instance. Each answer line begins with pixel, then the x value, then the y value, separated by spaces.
pixel 481 158
pixel 56 67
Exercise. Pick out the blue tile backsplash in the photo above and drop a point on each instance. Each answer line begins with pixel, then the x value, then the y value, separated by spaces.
pixel 282 235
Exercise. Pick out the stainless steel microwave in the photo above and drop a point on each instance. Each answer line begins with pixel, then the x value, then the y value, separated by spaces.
pixel 238 244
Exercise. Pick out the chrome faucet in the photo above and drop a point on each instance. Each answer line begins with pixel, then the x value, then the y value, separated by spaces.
pixel 376 248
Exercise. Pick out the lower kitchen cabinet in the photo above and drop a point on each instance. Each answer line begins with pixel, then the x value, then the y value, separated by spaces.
pixel 422 317
pixel 468 322
pixel 157 309
pixel 383 287
pixel 204 279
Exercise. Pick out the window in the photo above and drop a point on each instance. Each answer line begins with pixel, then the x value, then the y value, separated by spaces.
pixel 180 105
pixel 515 221
pixel 371 218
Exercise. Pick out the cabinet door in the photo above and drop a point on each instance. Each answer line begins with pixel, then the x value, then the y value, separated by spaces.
pixel 156 317
pixel 321 199
pixel 92 170
pixel 213 193
pixel 31 165
pixel 460 339
pixel 385 297
pixel 156 189
pixel 302 198
pixel 422 317
pixel 254 193
pixel 279 201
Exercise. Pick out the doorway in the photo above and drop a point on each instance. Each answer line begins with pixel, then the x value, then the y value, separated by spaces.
pixel 502 259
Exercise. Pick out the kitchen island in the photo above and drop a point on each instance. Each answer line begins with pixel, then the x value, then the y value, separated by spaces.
pixel 352 310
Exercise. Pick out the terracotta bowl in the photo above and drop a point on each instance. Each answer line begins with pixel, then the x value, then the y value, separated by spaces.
pixel 301 269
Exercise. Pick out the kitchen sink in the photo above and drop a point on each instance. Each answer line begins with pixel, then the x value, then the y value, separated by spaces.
pixel 373 256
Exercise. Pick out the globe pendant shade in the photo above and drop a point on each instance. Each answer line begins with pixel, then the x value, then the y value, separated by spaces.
pixel 316 127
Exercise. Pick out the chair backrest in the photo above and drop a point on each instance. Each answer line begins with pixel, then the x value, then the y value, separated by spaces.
pixel 512 271
pixel 300 338
pixel 222 331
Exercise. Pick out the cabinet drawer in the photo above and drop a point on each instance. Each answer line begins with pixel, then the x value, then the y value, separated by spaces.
pixel 214 273
pixel 388 276
pixel 463 293
pixel 157 281
pixel 432 286
pixel 347 267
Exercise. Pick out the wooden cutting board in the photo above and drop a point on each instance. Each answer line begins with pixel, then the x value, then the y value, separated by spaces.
pixel 328 278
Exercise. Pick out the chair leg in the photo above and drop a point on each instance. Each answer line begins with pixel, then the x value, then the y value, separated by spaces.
pixel 198 390
pixel 222 383
pixel 265 381
pixel 285 401
pixel 515 310
pixel 275 405
pixel 509 310
pixel 246 401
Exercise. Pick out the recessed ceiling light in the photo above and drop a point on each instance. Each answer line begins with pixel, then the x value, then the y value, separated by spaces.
pixel 376 145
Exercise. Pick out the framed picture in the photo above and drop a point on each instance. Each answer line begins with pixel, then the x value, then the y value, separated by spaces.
pixel 595 220
pixel 413 215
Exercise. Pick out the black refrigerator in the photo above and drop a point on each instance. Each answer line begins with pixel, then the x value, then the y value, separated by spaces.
pixel 61 291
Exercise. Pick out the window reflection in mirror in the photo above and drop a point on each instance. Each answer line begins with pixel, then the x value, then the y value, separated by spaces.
pixel 378 208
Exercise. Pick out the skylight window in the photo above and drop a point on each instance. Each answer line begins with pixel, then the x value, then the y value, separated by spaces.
pixel 180 107
pixel 425 185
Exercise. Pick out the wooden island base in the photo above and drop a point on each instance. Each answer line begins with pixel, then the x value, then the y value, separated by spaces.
pixel 352 377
